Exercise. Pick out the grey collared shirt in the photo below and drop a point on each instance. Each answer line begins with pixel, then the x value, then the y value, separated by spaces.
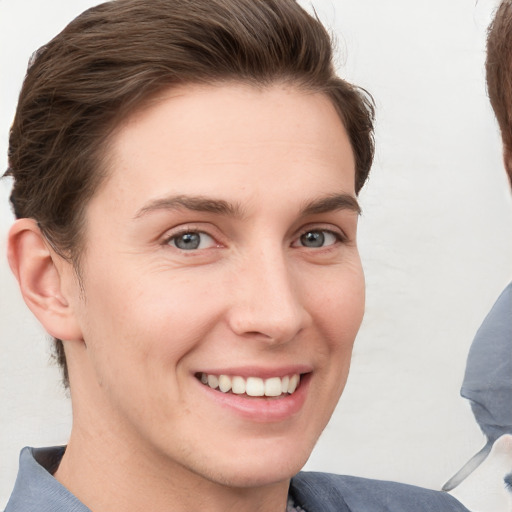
pixel 36 490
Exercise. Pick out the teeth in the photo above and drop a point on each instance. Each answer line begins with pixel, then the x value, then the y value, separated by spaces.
pixel 273 387
pixel 224 383
pixel 285 381
pixel 292 386
pixel 252 386
pixel 213 381
pixel 255 387
pixel 238 385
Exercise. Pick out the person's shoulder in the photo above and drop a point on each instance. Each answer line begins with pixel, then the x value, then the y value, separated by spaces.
pixel 326 492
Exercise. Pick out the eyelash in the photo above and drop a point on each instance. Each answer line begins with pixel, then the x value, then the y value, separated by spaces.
pixel 338 238
pixel 175 236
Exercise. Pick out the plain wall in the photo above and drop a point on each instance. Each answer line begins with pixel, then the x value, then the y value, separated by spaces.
pixel 435 239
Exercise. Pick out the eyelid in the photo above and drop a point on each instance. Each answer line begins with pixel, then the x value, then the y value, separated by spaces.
pixel 329 228
pixel 209 242
pixel 183 229
pixel 336 231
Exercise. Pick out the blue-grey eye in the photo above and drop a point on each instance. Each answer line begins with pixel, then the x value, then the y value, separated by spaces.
pixel 192 240
pixel 317 238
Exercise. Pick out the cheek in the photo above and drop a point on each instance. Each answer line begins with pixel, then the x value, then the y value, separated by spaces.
pixel 149 317
pixel 341 306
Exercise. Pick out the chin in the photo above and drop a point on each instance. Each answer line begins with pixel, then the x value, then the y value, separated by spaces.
pixel 275 464
pixel 251 477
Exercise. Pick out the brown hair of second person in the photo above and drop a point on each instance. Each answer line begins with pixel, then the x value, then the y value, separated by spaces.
pixel 499 76
pixel 114 57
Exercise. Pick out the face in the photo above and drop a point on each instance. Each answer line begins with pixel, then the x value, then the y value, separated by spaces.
pixel 222 284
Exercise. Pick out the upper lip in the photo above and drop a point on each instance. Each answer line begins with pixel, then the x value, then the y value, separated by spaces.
pixel 258 371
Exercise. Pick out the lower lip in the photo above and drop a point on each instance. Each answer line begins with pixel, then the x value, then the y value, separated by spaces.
pixel 262 410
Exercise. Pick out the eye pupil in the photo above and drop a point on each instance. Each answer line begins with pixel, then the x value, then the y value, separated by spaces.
pixel 188 241
pixel 313 239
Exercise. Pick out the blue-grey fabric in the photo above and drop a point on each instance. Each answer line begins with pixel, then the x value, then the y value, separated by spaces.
pixel 487 382
pixel 325 492
pixel 37 491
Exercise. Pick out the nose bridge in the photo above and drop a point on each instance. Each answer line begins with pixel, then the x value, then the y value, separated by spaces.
pixel 268 301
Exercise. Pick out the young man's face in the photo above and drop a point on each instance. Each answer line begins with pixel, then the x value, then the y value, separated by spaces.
pixel 221 248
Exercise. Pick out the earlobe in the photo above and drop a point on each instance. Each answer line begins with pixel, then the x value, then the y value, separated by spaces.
pixel 40 277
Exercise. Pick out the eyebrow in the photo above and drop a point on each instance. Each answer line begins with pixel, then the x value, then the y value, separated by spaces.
pixel 194 203
pixel 221 207
pixel 332 203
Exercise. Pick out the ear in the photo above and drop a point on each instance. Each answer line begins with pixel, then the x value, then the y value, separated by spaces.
pixel 41 274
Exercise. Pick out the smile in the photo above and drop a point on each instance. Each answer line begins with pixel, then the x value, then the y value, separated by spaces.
pixel 252 386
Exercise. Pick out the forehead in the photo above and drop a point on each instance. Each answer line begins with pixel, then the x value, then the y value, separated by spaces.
pixel 195 138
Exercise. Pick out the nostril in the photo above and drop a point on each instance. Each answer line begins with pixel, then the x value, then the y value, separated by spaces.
pixel 257 333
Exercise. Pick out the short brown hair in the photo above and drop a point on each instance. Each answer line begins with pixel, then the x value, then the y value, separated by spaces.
pixel 499 74
pixel 114 56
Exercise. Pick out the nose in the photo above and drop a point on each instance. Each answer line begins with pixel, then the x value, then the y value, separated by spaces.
pixel 267 302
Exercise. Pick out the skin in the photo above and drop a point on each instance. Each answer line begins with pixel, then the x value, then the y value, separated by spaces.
pixel 254 299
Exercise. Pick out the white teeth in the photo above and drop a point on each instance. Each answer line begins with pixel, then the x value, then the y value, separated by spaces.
pixel 294 381
pixel 213 381
pixel 252 386
pixel 224 383
pixel 284 384
pixel 238 385
pixel 255 387
pixel 273 387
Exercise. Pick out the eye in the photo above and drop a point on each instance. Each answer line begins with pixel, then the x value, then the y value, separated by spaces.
pixel 315 238
pixel 191 241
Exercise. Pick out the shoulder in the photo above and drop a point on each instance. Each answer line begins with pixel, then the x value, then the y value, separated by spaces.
pixel 325 492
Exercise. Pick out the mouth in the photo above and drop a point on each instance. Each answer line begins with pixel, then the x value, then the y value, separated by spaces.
pixel 273 387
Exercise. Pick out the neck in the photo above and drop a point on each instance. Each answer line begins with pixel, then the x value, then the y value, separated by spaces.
pixel 108 480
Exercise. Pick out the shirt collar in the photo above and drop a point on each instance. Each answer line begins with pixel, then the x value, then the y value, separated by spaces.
pixel 36 490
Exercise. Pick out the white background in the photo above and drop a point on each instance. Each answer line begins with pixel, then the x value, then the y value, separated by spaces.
pixel 435 237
